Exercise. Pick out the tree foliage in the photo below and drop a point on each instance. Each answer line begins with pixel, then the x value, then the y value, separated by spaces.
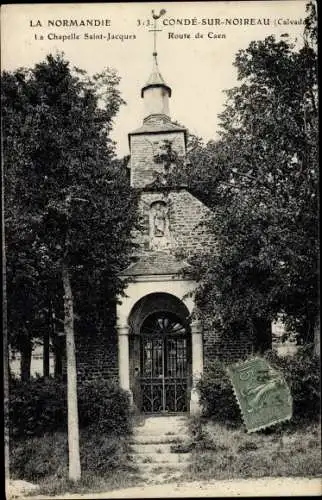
pixel 66 197
pixel 71 211
pixel 261 181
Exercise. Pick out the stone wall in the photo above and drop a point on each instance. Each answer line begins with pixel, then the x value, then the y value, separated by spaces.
pixel 186 216
pixel 144 147
pixel 96 356
pixel 228 348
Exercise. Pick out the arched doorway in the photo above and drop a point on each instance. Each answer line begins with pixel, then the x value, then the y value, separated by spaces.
pixel 160 355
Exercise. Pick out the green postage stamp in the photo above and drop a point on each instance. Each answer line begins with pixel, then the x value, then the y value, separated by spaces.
pixel 263 396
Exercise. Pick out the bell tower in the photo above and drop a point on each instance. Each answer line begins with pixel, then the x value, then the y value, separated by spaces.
pixel 169 230
pixel 146 141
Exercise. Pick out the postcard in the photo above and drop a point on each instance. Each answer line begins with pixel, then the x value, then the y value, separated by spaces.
pixel 160 225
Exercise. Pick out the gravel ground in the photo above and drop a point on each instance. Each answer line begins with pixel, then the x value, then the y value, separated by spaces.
pixel 241 487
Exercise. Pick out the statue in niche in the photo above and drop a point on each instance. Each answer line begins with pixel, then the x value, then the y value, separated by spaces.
pixel 160 221
pixel 159 226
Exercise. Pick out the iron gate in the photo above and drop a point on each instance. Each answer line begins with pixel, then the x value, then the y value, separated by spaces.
pixel 164 367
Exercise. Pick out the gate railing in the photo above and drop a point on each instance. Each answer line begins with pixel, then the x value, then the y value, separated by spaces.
pixel 163 394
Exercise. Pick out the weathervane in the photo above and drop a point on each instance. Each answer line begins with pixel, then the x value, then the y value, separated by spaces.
pixel 154 30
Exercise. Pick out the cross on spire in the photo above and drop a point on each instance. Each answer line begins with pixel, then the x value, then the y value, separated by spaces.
pixel 155 80
pixel 155 30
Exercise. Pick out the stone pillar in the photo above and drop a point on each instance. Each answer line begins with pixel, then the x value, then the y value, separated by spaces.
pixel 123 359
pixel 197 365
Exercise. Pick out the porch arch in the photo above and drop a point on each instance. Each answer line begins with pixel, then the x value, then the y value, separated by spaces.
pixel 155 302
pixel 137 308
pixel 160 361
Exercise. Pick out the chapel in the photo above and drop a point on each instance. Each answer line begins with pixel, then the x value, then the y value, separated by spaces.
pixel 163 343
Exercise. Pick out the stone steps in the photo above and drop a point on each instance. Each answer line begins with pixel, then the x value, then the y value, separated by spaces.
pixel 162 458
pixel 157 439
pixel 156 432
pixel 152 446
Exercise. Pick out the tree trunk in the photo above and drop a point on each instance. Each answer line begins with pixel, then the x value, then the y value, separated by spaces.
pixel 6 368
pixel 263 335
pixel 317 337
pixel 46 345
pixel 56 343
pixel 72 407
pixel 25 361
pixel 58 369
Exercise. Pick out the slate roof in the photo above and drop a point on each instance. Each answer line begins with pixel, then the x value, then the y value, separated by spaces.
pixel 158 127
pixel 155 263
pixel 155 79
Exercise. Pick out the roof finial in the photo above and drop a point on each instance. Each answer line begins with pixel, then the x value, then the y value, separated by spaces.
pixel 154 30
pixel 155 79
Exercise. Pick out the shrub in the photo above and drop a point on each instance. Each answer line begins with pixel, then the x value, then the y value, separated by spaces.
pixel 216 395
pixel 37 406
pixel 40 406
pixel 104 406
pixel 301 371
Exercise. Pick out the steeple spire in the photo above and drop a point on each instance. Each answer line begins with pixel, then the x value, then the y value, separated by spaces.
pixel 156 92
pixel 155 78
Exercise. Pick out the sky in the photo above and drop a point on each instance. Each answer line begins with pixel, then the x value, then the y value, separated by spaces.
pixel 198 66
